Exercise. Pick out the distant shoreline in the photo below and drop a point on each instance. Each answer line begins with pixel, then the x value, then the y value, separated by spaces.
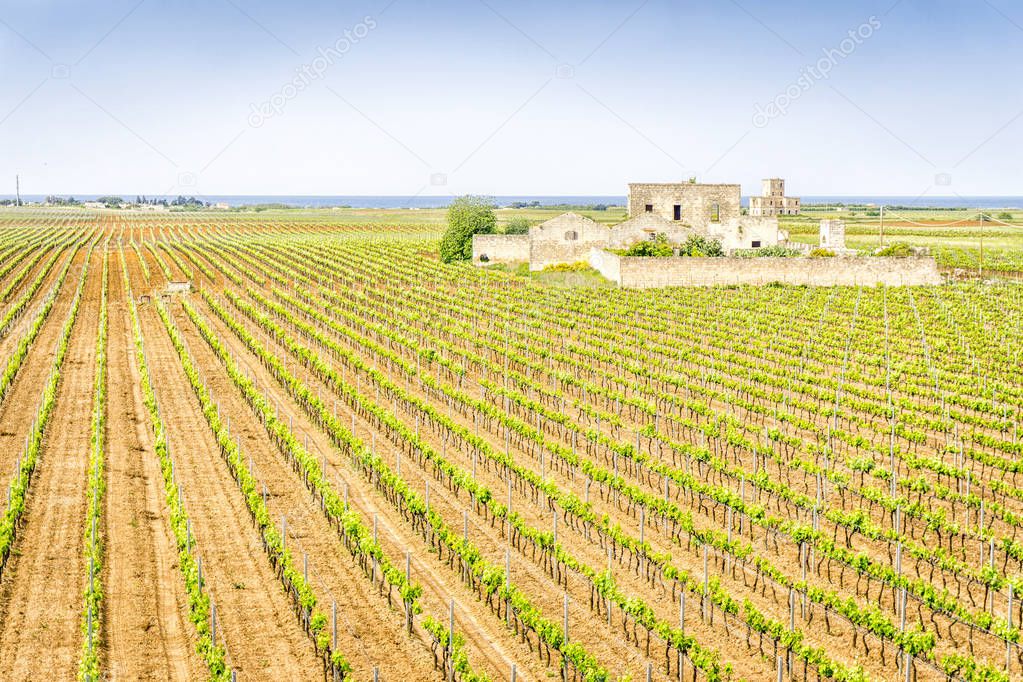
pixel 381 202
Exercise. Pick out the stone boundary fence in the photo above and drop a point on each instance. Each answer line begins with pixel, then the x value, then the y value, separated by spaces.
pixel 646 273
pixel 488 249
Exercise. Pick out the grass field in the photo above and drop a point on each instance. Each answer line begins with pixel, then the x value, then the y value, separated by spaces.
pixel 334 448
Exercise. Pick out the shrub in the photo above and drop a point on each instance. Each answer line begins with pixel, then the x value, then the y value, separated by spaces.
pixel 898 250
pixel 768 252
pixel 1005 215
pixel 658 247
pixel 698 246
pixel 568 267
pixel 467 216
pixel 518 226
pixel 822 253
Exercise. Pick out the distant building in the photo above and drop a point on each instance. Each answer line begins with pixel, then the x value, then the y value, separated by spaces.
pixel 94 204
pixel 773 201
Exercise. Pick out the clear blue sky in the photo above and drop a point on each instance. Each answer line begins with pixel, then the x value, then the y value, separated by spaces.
pixel 509 97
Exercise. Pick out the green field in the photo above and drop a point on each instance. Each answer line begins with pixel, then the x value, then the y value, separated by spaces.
pixel 954 235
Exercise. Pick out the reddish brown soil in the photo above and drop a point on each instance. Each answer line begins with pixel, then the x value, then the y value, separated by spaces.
pixel 263 636
pixel 148 634
pixel 41 592
pixel 370 632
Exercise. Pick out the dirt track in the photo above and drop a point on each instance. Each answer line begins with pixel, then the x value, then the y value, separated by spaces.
pixel 370 631
pixel 41 594
pixel 255 618
pixel 148 634
pixel 491 643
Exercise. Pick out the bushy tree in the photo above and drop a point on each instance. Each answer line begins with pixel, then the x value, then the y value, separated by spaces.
pixel 700 246
pixel 658 247
pixel 467 216
pixel 518 226
pixel 898 250
pixel 776 251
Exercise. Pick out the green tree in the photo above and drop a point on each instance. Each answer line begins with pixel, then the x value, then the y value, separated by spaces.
pixel 467 216
pixel 658 247
pixel 518 226
pixel 700 246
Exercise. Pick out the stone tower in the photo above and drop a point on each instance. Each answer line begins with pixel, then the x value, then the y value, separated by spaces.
pixel 773 187
pixel 772 200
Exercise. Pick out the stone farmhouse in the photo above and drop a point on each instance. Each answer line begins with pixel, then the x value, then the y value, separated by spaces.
pixel 681 210
pixel 677 210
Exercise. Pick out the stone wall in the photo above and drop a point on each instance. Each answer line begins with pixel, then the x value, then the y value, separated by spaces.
pixel 697 201
pixel 565 239
pixel 645 226
pixel 607 264
pixel 644 273
pixel 740 233
pixel 500 248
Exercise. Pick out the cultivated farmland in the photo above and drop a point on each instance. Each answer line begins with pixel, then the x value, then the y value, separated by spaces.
pixel 334 449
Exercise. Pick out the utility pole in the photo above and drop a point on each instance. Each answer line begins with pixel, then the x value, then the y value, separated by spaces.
pixel 882 225
pixel 17 189
pixel 980 265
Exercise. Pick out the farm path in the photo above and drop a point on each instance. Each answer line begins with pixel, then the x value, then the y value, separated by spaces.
pixel 41 591
pixel 492 646
pixel 149 636
pixel 255 618
pixel 371 633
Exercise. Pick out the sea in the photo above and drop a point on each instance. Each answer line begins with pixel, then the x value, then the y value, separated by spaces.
pixel 423 202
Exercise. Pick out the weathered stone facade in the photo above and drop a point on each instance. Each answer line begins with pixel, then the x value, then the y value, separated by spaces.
pixel 747 233
pixel 646 226
pixel 689 203
pixel 565 239
pixel 500 248
pixel 832 235
pixel 645 273
pixel 772 201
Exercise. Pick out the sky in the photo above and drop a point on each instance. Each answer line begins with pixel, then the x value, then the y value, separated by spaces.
pixel 510 97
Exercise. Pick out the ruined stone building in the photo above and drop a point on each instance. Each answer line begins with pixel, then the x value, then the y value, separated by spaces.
pixel 772 201
pixel 676 210
pixel 689 203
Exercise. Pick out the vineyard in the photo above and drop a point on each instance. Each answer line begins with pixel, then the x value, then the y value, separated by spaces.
pixel 337 458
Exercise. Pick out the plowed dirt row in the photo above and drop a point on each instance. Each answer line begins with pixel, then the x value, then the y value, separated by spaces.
pixel 264 638
pixel 604 641
pixel 490 644
pixel 149 636
pixel 539 517
pixel 370 633
pixel 13 337
pixel 41 593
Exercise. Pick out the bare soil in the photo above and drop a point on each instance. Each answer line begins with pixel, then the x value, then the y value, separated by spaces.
pixel 41 592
